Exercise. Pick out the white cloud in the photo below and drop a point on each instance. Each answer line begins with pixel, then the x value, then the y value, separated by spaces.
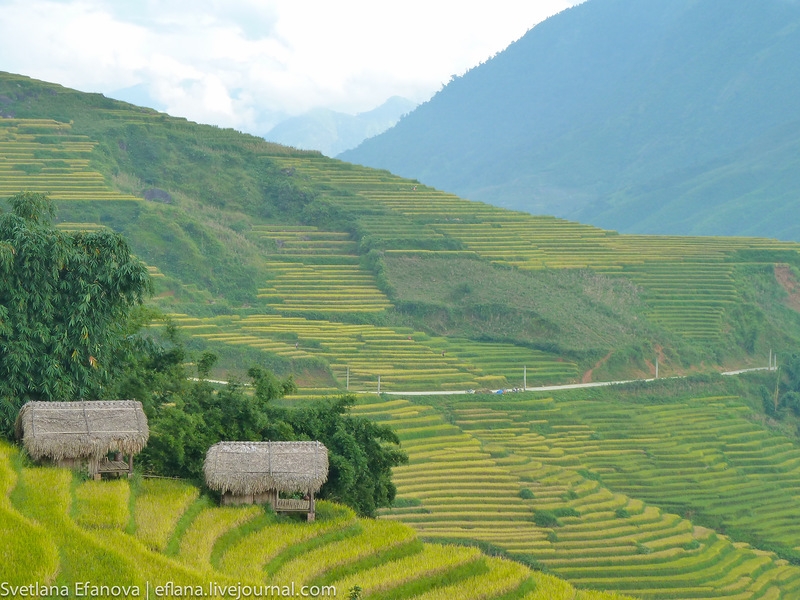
pixel 240 63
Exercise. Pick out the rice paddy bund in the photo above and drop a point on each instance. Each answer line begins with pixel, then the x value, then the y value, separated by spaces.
pixel 594 490
pixel 58 530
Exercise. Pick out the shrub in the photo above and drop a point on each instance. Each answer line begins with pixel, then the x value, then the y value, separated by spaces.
pixel 526 494
pixel 545 518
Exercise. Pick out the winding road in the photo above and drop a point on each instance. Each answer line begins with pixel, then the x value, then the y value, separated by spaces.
pixel 553 388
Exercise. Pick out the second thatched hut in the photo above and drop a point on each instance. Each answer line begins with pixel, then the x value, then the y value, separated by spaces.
pixel 78 434
pixel 259 472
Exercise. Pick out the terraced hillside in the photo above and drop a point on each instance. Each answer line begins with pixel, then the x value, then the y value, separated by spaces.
pixel 687 282
pixel 357 279
pixel 240 229
pixel 42 155
pixel 302 286
pixel 403 359
pixel 594 490
pixel 687 287
pixel 59 531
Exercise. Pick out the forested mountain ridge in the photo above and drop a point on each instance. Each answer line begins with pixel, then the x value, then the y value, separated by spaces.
pixel 634 116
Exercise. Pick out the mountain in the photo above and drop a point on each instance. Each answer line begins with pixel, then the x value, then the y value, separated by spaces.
pixel 353 278
pixel 670 116
pixel 350 278
pixel 332 132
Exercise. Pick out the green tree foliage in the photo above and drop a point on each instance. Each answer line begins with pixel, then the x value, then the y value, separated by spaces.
pixel 785 395
pixel 790 388
pixel 187 417
pixel 361 453
pixel 65 299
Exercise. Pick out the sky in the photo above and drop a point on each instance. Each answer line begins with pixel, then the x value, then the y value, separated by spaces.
pixel 248 64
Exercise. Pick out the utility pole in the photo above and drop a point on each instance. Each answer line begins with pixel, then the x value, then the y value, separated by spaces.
pixel 525 378
pixel 379 384
pixel 656 367
pixel 348 379
pixel 777 383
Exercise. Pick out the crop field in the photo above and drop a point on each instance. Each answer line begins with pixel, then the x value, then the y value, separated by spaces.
pixel 703 456
pixel 317 272
pixel 51 536
pixel 403 358
pixel 686 280
pixel 591 490
pixel 687 284
pixel 41 155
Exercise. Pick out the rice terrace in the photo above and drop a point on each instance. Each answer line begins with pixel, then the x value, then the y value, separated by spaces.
pixel 302 279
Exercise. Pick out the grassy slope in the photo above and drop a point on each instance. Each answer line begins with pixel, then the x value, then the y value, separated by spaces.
pixel 471 298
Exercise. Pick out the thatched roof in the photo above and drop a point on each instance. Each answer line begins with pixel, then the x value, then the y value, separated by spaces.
pixel 255 467
pixel 58 430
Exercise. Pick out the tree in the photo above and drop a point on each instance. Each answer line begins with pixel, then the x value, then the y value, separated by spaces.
pixel 361 453
pixel 65 299
pixel 187 417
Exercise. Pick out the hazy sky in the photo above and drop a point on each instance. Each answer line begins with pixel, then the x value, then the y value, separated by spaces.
pixel 244 63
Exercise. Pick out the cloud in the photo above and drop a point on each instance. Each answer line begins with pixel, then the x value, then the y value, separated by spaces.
pixel 247 63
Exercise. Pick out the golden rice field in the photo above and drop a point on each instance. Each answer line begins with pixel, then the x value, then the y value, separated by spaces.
pixel 402 358
pixel 42 155
pixel 592 490
pixel 60 531
pixel 687 283
pixel 686 280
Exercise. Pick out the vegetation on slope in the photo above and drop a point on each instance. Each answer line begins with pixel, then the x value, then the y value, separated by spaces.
pixel 65 303
pixel 649 488
pixel 151 532
pixel 569 312
pixel 69 330
pixel 271 255
pixel 298 261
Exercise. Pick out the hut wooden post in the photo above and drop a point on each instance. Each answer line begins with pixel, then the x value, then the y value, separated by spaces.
pixel 130 466
pixel 312 507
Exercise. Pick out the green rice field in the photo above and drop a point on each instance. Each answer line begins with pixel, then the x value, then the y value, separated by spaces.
pixel 608 495
pixel 322 297
pixel 687 281
pixel 58 530
pixel 403 358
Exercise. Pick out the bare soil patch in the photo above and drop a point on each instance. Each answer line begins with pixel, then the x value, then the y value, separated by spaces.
pixel 789 283
pixel 587 377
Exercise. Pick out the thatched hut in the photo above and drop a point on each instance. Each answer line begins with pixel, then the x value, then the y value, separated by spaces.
pixel 259 472
pixel 77 434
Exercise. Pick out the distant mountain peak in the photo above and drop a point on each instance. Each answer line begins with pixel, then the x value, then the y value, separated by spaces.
pixel 332 132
